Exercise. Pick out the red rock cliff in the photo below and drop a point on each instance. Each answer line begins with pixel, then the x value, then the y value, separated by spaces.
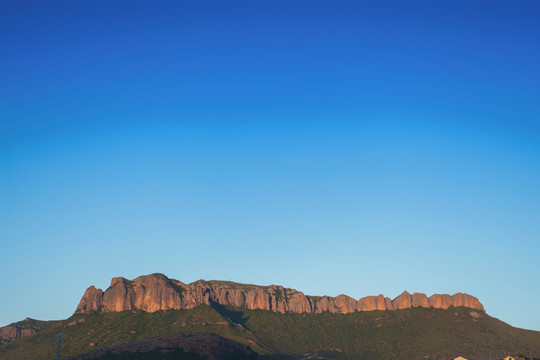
pixel 157 292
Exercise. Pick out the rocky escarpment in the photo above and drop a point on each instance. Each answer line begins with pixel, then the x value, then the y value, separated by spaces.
pixel 22 329
pixel 157 292
pixel 12 332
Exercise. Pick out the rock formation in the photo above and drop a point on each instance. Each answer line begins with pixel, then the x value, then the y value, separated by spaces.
pixel 370 303
pixel 440 301
pixel 10 333
pixel 18 330
pixel 466 300
pixel 157 292
pixel 419 300
pixel 403 301
pixel 93 299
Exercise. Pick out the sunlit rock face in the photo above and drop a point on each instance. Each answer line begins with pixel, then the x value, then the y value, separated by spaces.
pixel 157 292
pixel 466 300
pixel 419 300
pixel 439 301
pixel 92 300
pixel 403 301
pixel 345 304
pixel 371 303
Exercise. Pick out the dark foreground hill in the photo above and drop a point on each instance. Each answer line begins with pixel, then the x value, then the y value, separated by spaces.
pixel 174 346
pixel 409 333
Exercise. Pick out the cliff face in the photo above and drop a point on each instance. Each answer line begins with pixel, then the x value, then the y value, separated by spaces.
pixel 11 332
pixel 157 292
pixel 22 329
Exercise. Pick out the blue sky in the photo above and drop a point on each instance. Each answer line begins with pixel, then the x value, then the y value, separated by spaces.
pixel 333 147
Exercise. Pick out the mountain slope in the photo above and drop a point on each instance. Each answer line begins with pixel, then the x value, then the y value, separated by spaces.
pixel 413 332
pixel 175 346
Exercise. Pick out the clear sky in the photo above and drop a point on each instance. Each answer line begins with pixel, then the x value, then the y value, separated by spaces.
pixel 329 146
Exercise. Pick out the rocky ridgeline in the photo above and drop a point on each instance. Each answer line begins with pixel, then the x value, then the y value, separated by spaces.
pixel 157 292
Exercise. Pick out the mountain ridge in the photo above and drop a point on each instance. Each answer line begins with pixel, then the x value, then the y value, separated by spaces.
pixel 157 292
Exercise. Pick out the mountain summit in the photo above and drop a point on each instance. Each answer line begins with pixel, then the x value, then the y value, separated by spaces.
pixel 157 292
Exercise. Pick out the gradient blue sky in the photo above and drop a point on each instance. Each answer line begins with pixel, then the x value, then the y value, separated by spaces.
pixel 330 146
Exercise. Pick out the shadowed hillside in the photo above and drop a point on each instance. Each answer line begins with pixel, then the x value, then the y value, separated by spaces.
pixel 406 334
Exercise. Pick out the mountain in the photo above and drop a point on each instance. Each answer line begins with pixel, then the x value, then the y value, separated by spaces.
pixel 156 292
pixel 128 319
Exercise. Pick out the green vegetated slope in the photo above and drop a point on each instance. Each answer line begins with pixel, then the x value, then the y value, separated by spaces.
pixel 82 333
pixel 175 346
pixel 404 334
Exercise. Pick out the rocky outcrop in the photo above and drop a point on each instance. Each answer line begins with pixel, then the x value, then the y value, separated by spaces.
pixel 370 303
pixel 466 300
pixel 345 304
pixel 149 293
pixel 21 329
pixel 440 301
pixel 9 333
pixel 92 300
pixel 419 300
pixel 403 301
pixel 156 292
pixel 325 304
